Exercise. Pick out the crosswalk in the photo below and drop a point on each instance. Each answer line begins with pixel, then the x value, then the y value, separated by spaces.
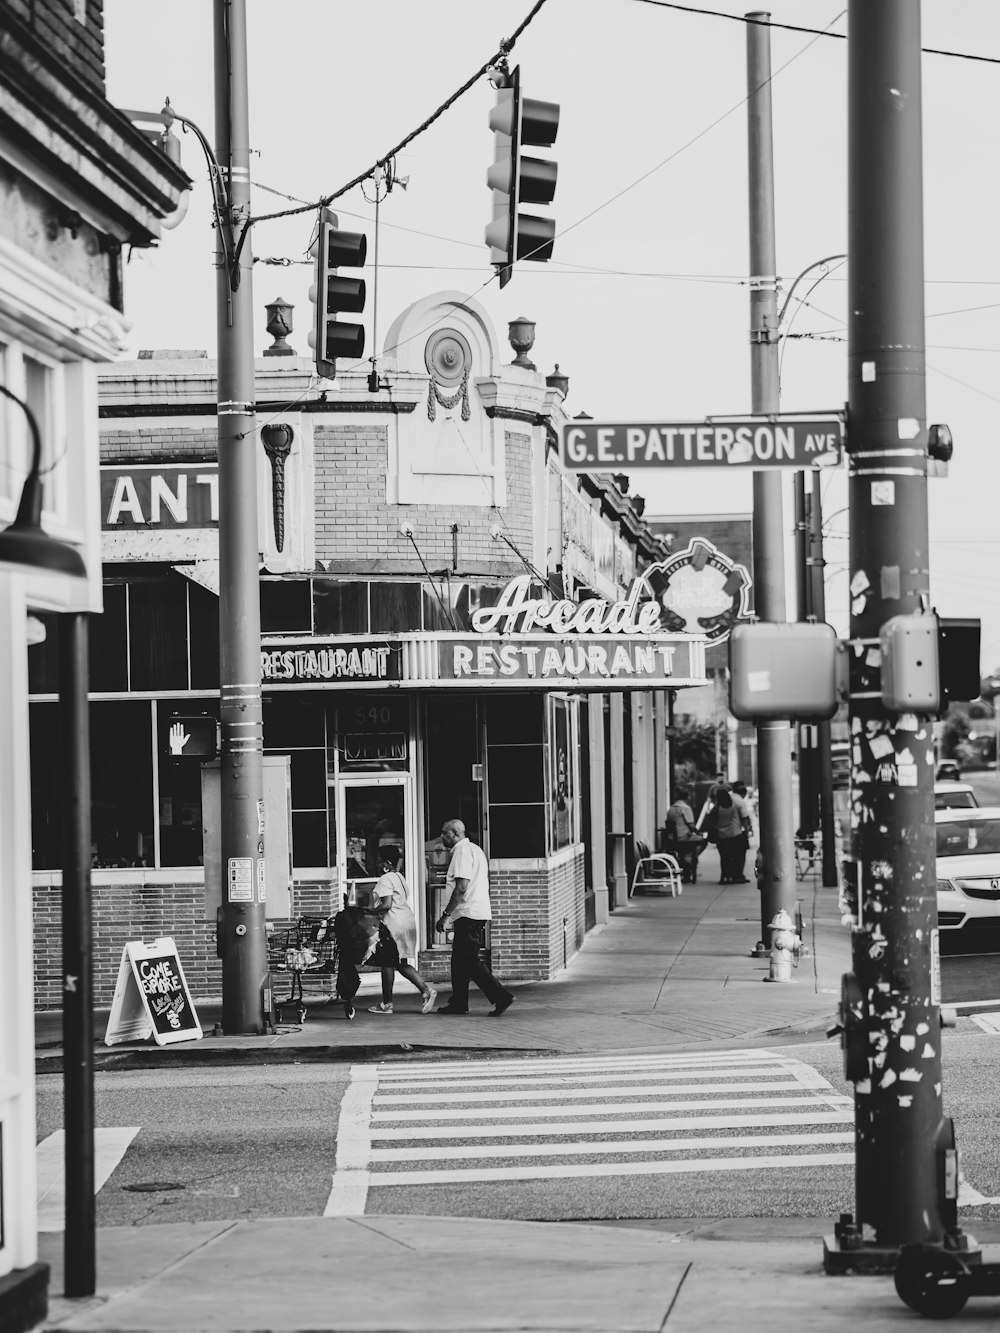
pixel 459 1122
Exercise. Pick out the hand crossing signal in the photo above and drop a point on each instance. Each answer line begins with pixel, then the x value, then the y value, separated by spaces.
pixel 330 337
pixel 517 122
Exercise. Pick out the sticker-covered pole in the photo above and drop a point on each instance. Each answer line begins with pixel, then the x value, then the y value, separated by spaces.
pixel 905 1164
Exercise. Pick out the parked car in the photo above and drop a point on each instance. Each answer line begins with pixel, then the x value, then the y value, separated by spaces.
pixel 954 795
pixel 947 771
pixel 968 870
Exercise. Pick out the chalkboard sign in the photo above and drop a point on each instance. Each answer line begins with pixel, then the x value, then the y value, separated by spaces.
pixel 151 997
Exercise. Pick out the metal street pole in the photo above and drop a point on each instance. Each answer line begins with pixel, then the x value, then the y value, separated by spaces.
pixel 774 749
pixel 823 753
pixel 80 1234
pixel 803 609
pixel 906 1172
pixel 242 939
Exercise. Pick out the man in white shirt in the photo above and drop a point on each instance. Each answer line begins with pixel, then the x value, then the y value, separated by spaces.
pixel 469 909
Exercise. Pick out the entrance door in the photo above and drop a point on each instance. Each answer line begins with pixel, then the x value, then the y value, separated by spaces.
pixel 372 813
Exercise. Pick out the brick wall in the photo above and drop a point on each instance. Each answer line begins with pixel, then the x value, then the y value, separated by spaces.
pixel 354 520
pixel 74 45
pixel 125 908
pixel 174 444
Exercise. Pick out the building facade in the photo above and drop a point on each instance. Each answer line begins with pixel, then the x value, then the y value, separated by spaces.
pixel 79 184
pixel 451 627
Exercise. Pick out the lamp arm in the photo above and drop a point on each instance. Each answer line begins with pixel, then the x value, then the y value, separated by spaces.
pixel 36 439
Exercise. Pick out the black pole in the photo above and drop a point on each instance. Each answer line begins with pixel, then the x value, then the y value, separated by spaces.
pixel 906 1169
pixel 823 752
pixel 803 609
pixel 79 1237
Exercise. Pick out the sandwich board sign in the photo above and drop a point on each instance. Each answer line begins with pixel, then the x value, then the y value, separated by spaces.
pixel 151 997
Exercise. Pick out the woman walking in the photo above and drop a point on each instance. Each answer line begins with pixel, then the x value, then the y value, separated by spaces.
pixel 728 816
pixel 391 903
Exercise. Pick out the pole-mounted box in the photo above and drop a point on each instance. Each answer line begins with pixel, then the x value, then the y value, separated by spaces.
pixel 911 682
pixel 780 670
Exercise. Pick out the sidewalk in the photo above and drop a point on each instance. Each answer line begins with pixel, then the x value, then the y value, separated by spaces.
pixel 664 973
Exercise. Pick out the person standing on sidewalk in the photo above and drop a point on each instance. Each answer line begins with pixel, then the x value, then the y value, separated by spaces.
pixel 731 840
pixel 391 902
pixel 469 908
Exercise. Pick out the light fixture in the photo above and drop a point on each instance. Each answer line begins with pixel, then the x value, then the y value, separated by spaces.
pixel 24 542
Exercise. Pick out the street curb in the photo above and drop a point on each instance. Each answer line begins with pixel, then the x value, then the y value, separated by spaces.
pixel 172 1057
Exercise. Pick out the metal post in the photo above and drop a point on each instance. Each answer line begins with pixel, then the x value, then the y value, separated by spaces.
pixel 79 1237
pixel 243 942
pixel 774 751
pixel 906 1168
pixel 823 752
pixel 803 609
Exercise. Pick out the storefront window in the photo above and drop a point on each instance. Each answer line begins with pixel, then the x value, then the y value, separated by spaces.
pixel 203 615
pixel 452 759
pixel 158 635
pixel 563 779
pixel 285 606
pixel 121 784
pixel 179 810
pixel 516 775
pixel 296 725
pixel 373 734
pixel 395 608
pixel 339 608
pixel 108 644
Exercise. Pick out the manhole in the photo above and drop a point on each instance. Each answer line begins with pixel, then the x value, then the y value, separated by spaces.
pixel 154 1186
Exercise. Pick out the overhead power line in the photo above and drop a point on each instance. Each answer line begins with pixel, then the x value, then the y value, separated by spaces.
pixel 792 27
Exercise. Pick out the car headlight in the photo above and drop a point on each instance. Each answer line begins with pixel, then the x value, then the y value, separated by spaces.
pixel 945 886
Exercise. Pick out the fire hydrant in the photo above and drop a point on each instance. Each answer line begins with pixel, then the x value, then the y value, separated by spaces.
pixel 784 944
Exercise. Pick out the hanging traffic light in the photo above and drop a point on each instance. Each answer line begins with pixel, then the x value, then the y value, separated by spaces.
pixel 330 337
pixel 519 122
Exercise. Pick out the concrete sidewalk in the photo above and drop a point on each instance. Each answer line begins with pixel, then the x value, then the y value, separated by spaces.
pixel 438 1275
pixel 663 973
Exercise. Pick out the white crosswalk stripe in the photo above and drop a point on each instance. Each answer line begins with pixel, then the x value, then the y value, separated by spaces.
pixel 463 1121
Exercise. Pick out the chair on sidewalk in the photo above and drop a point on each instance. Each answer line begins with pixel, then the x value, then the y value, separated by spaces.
pixel 655 868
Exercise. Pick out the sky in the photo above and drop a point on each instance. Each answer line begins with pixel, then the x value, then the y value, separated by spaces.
pixel 645 302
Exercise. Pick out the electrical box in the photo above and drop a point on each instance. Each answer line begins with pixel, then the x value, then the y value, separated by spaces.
pixel 277 839
pixel 910 679
pixel 783 671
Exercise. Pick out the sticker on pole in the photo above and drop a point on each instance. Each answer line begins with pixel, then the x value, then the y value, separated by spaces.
pixel 151 997
pixel 240 879
pixel 935 966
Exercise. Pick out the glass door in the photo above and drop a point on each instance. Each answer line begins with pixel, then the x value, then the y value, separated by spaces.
pixel 372 814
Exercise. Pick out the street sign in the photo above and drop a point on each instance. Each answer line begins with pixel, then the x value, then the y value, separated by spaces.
pixel 751 443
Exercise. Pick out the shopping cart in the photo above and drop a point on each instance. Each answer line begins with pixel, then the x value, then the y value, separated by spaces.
pixel 305 950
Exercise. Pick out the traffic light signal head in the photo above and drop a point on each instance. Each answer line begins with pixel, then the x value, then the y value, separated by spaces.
pixel 330 337
pixel 517 122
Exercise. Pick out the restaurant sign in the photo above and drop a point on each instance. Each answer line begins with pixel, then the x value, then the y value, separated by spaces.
pixel 317 663
pixel 159 496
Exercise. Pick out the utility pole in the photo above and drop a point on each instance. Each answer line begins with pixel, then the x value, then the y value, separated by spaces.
pixel 803 610
pixel 774 750
pixel 906 1168
pixel 242 939
pixel 823 763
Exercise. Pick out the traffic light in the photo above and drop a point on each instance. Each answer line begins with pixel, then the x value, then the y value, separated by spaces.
pixel 332 294
pixel 519 122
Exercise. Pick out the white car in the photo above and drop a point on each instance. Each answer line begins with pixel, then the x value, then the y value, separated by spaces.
pixel 968 869
pixel 948 794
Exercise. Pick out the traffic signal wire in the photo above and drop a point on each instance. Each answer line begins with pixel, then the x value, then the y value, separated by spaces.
pixel 792 27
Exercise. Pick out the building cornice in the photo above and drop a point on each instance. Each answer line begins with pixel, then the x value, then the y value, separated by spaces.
pixel 64 135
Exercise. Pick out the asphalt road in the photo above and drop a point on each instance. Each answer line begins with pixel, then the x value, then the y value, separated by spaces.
pixel 255 1142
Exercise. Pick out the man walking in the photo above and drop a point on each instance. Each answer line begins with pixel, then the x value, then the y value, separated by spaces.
pixel 469 908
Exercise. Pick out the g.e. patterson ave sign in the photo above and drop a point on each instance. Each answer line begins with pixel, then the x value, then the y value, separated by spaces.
pixel 748 443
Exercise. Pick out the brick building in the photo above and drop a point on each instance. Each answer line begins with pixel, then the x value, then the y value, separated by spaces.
pixel 451 627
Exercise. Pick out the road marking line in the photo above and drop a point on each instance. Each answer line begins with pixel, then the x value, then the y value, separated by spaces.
pixel 818 1117
pixel 476 1069
pixel 775 1071
pixel 567 1094
pixel 988 1022
pixel 110 1146
pixel 776 1161
pixel 608 1147
pixel 349 1185
pixel 596 1108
